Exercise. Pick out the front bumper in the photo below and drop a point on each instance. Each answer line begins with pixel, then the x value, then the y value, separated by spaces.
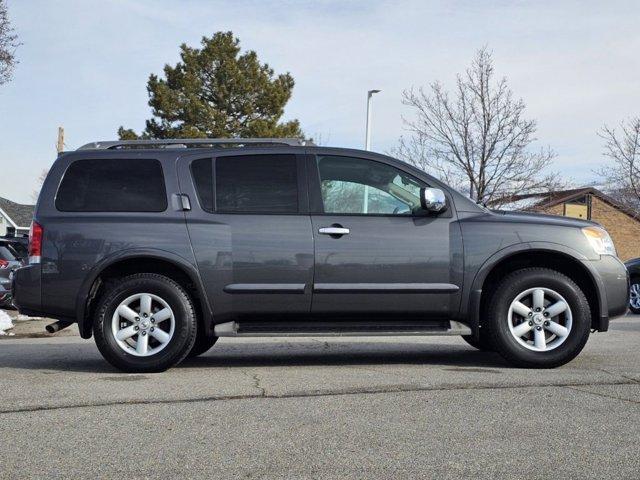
pixel 612 282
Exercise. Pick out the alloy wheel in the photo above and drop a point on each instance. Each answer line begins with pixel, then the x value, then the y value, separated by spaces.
pixel 143 324
pixel 634 297
pixel 540 319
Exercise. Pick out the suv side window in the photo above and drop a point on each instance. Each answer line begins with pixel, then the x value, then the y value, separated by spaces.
pixel 364 187
pixel 202 174
pixel 256 184
pixel 112 185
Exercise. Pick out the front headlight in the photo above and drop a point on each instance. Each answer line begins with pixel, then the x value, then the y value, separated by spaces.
pixel 600 240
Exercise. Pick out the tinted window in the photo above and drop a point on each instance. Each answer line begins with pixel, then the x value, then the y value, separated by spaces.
pixel 112 185
pixel 364 187
pixel 202 173
pixel 257 183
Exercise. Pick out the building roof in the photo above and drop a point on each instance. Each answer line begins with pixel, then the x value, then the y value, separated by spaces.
pixel 21 215
pixel 545 200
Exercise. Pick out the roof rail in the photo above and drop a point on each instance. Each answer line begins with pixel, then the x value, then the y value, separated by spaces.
pixel 191 143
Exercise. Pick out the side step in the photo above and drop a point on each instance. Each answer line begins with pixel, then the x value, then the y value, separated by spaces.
pixel 339 329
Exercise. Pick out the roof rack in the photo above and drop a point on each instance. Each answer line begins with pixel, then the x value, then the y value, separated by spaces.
pixel 191 143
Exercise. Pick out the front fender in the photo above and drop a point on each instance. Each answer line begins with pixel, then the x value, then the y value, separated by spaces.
pixel 474 293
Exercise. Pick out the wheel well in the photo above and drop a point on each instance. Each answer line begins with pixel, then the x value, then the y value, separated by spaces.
pixel 543 259
pixel 132 266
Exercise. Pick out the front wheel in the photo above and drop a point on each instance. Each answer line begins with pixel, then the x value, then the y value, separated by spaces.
pixel 634 296
pixel 538 318
pixel 144 323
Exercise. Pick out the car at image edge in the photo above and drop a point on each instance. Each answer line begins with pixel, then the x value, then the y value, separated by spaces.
pixel 633 266
pixel 10 260
pixel 159 247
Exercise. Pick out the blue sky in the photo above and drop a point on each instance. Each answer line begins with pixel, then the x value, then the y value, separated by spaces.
pixel 84 66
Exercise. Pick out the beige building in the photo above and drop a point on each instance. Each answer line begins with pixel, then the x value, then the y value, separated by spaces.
pixel 623 224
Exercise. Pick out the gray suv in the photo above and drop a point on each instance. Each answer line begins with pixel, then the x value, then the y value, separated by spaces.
pixel 157 248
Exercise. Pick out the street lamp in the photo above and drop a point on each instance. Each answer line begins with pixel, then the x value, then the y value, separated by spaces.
pixel 367 146
pixel 367 141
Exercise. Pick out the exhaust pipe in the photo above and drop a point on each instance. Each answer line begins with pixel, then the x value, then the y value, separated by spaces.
pixel 57 326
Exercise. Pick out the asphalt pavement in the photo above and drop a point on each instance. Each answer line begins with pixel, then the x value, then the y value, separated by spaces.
pixel 395 407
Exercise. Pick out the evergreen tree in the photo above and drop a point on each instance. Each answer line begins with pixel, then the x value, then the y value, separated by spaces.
pixel 217 92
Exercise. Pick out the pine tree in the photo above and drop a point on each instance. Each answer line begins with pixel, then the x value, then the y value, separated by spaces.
pixel 217 92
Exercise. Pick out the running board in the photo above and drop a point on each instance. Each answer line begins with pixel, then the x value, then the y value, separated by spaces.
pixel 339 329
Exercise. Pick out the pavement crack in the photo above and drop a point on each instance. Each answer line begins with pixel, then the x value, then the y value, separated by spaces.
pixel 256 383
pixel 604 395
pixel 621 375
pixel 310 394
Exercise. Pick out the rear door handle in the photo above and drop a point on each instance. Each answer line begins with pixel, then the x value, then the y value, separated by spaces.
pixel 181 202
pixel 333 231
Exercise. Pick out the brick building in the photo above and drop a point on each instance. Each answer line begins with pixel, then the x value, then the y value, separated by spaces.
pixel 623 224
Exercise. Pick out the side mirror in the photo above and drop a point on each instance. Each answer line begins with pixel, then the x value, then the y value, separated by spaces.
pixel 433 200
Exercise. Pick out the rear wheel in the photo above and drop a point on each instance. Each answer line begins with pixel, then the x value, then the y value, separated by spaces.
pixel 538 318
pixel 634 298
pixel 145 323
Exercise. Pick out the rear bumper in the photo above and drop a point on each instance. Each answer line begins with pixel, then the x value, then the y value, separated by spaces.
pixel 26 289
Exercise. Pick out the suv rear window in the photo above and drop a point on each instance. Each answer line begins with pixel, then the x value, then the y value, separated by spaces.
pixel 257 183
pixel 113 185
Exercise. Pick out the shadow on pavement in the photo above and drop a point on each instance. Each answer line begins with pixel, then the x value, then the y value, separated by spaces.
pixel 80 357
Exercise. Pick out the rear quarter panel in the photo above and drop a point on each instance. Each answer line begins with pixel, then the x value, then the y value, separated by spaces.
pixel 75 243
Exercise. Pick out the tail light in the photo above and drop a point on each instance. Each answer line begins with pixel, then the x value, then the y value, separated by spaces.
pixel 3 263
pixel 35 242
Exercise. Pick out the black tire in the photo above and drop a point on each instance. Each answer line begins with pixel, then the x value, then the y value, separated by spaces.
pixel 635 281
pixel 174 295
pixel 481 343
pixel 201 345
pixel 506 344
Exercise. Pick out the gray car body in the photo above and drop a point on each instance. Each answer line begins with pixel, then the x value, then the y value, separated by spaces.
pixel 634 267
pixel 278 267
pixel 6 273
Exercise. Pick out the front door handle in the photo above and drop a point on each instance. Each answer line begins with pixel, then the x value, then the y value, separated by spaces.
pixel 333 230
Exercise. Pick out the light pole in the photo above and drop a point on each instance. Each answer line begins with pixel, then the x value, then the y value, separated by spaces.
pixel 367 146
pixel 367 140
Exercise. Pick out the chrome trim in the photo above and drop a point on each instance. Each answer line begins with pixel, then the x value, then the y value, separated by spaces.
pixel 333 231
pixel 433 200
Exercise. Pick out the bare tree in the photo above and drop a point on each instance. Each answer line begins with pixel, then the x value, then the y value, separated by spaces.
pixel 623 175
pixel 36 193
pixel 476 138
pixel 8 44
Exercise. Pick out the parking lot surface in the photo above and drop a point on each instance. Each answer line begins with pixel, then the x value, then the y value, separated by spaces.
pixel 322 408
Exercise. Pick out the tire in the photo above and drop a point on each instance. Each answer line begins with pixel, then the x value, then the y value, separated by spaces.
pixel 634 301
pixel 155 346
pixel 201 345
pixel 539 347
pixel 481 344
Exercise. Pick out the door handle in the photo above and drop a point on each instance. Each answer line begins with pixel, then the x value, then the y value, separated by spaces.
pixel 180 202
pixel 333 231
